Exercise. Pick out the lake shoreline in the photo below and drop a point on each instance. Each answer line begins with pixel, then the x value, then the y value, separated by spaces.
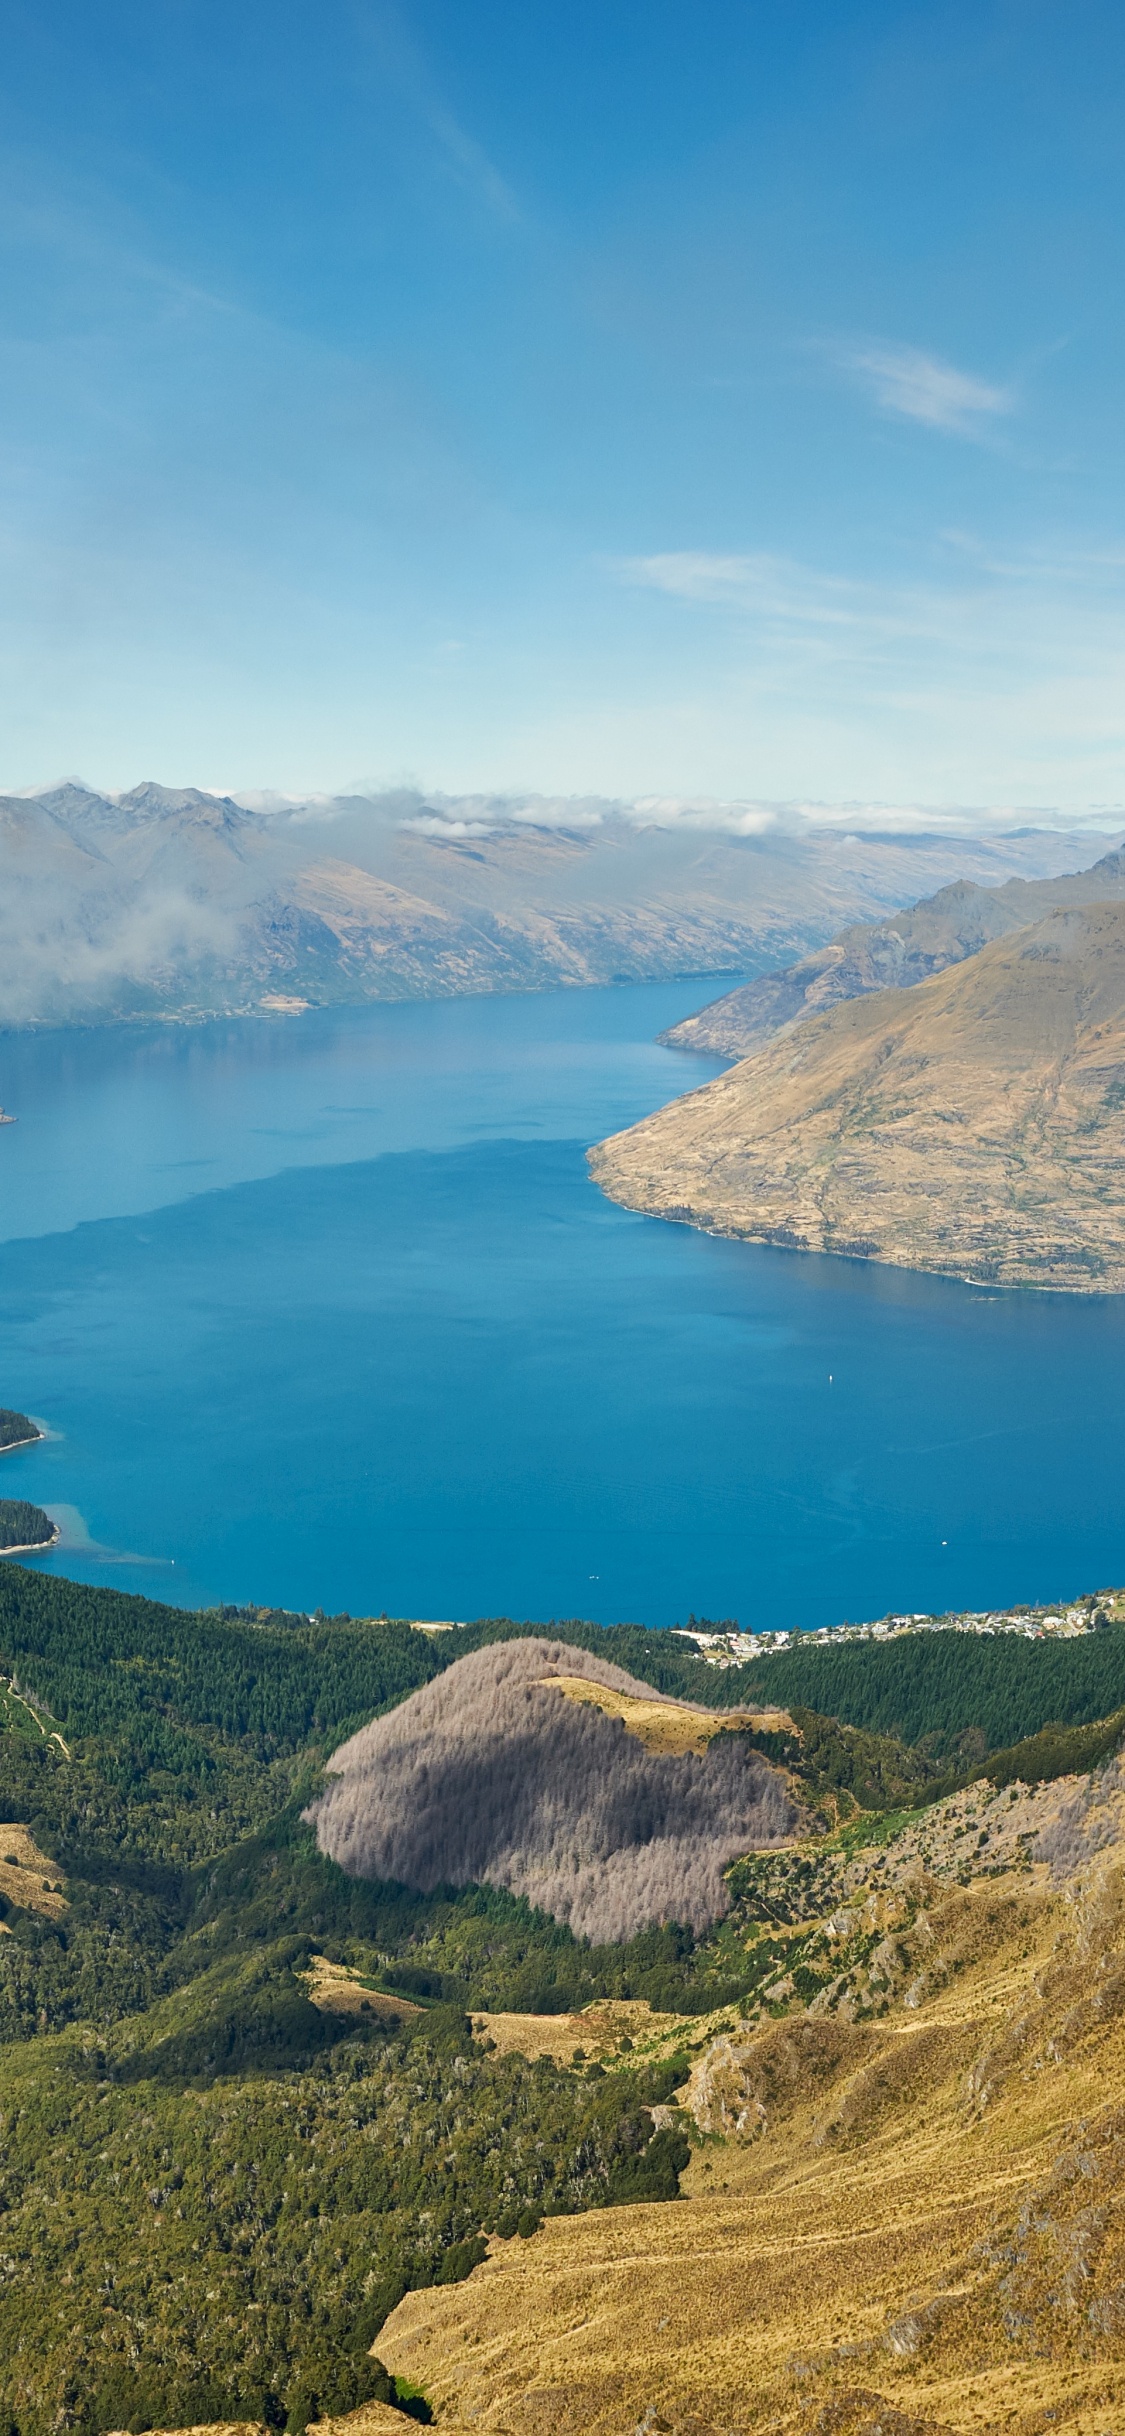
pixel 553 1408
pixel 34 1547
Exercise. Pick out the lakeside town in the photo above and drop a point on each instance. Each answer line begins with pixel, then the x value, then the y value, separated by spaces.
pixel 725 1645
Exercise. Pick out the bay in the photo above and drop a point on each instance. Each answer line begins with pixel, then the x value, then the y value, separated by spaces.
pixel 328 1313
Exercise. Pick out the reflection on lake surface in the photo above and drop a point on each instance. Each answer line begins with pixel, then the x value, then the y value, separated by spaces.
pixel 328 1313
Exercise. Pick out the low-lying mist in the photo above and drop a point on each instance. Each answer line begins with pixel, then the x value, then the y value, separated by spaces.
pixel 170 901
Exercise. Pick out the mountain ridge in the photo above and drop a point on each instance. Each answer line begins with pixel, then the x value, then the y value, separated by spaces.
pixel 180 904
pixel 973 1125
pixel 909 947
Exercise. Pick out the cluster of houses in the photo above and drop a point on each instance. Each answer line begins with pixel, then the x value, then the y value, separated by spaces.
pixel 726 1646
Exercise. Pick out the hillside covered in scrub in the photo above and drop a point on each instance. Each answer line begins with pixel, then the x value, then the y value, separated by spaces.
pixel 259 2115
pixel 490 1776
pixel 904 2212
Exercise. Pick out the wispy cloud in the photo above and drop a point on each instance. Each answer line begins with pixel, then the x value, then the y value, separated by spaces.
pixel 699 575
pixel 468 161
pixel 906 381
pixel 989 602
pixel 485 815
pixel 993 676
pixel 707 813
pixel 404 65
pixel 753 581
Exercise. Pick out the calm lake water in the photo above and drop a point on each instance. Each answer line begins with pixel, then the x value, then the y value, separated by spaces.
pixel 329 1313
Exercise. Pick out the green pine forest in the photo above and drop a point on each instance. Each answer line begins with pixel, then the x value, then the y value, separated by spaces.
pixel 23 1525
pixel 211 2192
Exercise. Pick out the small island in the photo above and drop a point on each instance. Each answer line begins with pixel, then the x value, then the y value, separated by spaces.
pixel 16 1429
pixel 23 1526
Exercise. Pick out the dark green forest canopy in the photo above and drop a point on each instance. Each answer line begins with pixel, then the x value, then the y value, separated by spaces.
pixel 16 1428
pixel 180 2120
pixel 101 1660
pixel 23 1525
pixel 932 1689
pixel 231 2240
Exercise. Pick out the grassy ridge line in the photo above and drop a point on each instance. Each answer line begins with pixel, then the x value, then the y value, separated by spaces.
pixel 1057 1751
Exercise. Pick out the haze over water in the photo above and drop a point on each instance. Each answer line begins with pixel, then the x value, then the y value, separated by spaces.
pixel 329 1313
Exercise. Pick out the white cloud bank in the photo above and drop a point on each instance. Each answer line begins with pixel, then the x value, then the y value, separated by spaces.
pixel 992 678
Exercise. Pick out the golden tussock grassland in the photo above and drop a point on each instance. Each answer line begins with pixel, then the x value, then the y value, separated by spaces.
pixel 918 2227
pixel 664 1726
pixel 27 1877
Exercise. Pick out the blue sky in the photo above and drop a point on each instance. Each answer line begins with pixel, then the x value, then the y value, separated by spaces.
pixel 675 400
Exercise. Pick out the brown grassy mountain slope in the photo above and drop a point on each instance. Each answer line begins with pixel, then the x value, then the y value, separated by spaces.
pixel 973 1125
pixel 906 2209
pixel 896 953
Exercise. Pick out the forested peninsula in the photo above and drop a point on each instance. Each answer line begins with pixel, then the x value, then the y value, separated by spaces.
pixel 24 1526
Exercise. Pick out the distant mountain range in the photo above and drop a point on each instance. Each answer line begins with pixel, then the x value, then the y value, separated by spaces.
pixel 910 947
pixel 973 1124
pixel 172 902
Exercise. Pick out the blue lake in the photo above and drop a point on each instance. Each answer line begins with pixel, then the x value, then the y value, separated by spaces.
pixel 329 1313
